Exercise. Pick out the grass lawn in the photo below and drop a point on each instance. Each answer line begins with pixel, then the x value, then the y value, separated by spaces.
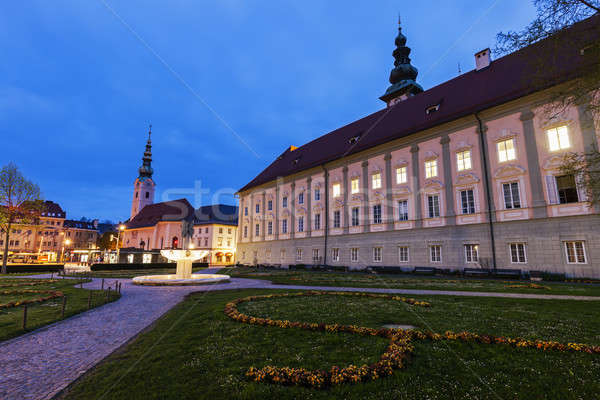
pixel 40 314
pixel 367 280
pixel 196 352
pixel 130 273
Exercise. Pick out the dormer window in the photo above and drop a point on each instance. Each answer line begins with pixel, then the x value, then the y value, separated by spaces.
pixel 432 109
pixel 354 139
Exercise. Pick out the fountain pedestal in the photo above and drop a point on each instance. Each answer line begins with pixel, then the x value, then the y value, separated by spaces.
pixel 183 274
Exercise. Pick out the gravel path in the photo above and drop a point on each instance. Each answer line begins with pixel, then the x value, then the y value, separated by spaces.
pixel 40 364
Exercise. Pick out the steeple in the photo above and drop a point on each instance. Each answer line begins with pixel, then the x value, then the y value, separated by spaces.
pixel 403 76
pixel 144 186
pixel 146 170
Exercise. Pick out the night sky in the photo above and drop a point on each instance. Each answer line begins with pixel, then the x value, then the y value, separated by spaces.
pixel 227 85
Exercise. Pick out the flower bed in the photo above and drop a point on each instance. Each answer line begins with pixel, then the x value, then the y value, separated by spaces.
pixel 50 294
pixel 395 357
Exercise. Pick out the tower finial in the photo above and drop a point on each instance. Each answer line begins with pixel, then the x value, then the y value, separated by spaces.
pixel 399 21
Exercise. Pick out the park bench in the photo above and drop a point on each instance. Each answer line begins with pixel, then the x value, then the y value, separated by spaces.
pixel 507 273
pixel 387 270
pixel 425 270
pixel 476 272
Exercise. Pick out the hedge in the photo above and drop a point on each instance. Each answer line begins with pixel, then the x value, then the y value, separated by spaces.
pixel 127 266
pixel 16 268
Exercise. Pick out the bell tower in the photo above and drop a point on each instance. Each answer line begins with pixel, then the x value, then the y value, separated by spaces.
pixel 143 187
pixel 403 76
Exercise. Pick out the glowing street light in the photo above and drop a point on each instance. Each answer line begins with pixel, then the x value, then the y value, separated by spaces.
pixel 62 253
pixel 121 229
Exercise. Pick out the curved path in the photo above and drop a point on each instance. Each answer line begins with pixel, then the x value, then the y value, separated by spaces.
pixel 38 365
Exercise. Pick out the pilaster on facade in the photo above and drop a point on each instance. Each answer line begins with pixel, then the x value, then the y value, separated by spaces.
pixel 276 218
pixel 414 150
pixel 292 201
pixel 488 207
pixel 366 216
pixel 448 184
pixel 263 216
pixel 389 205
pixel 346 206
pixel 308 198
pixel 538 202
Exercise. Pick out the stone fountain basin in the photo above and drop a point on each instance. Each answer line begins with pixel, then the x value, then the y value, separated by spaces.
pixel 175 280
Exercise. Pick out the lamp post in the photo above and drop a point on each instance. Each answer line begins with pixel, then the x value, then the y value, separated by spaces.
pixel 121 229
pixel 62 253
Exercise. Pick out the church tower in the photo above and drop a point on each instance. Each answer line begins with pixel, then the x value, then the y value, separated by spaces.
pixel 403 76
pixel 143 187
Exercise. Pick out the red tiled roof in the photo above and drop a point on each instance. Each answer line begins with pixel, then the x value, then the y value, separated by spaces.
pixel 176 210
pixel 508 78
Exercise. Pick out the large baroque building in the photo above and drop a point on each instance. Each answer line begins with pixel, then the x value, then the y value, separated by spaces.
pixel 465 174
pixel 156 226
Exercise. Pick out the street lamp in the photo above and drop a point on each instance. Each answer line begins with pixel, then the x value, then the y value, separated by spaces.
pixel 62 253
pixel 121 228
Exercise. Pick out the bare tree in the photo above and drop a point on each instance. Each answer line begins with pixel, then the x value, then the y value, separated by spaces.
pixel 553 16
pixel 19 203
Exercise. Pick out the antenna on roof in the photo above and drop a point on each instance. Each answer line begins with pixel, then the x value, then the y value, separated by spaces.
pixel 459 70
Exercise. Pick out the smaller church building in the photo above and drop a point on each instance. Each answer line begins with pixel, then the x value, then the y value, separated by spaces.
pixel 156 226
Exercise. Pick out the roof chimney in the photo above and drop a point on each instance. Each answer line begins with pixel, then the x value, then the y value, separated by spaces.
pixel 483 59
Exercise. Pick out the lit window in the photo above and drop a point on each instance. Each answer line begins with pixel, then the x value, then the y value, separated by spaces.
pixel 355 185
pixel 463 160
pixel 512 198
pixel 558 138
pixel 354 254
pixel 403 255
pixel 335 254
pixel 506 150
pixel 517 253
pixel 298 254
pixel 337 190
pixel 401 175
pixel 471 253
pixel 431 169
pixel 377 180
pixel 575 252
pixel 435 253
pixel 377 257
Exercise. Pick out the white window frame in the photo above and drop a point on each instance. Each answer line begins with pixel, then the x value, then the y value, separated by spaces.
pixel 357 220
pixel 377 254
pixel 505 152
pixel 316 257
pixel 317 222
pixel 471 253
pixel 400 249
pixel 577 260
pixel 355 185
pixel 298 254
pixel 401 214
pixel 468 205
pixel 377 214
pixel 354 254
pixel 257 230
pixel 558 138
pixel 335 254
pixel 284 226
pixel 431 253
pixel 512 197
pixel 510 251
pixel 301 224
pixel 376 180
pixel 401 175
pixel 431 168
pixel 431 214
pixel 463 160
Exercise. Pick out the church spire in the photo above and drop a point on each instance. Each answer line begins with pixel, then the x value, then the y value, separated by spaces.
pixel 146 170
pixel 403 76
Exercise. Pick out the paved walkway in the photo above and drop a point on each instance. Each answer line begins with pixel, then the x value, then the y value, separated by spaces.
pixel 40 364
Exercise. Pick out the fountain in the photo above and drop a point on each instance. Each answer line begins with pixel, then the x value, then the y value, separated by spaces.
pixel 184 259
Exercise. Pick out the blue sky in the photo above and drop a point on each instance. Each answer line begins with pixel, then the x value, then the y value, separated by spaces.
pixel 226 84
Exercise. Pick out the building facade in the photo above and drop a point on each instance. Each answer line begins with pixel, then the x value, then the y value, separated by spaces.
pixel 466 174
pixel 52 236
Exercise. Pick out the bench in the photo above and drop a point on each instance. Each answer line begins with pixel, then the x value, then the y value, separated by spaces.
pixel 387 270
pixel 425 270
pixel 476 272
pixel 507 273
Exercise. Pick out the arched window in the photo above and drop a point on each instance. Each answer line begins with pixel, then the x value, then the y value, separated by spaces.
pixel 174 242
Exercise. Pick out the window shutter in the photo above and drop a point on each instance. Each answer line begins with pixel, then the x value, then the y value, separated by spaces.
pixel 581 191
pixel 552 191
